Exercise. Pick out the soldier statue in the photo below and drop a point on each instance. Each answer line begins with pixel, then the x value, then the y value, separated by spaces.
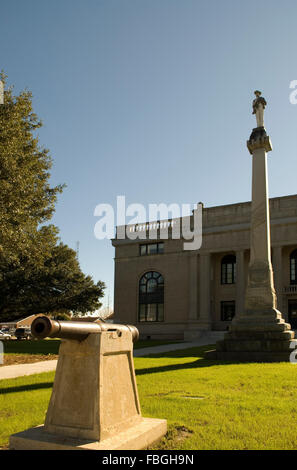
pixel 259 104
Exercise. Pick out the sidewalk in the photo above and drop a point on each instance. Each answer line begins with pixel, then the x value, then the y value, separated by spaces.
pixel 20 370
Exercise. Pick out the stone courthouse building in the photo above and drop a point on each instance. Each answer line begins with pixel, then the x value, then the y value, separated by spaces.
pixel 168 292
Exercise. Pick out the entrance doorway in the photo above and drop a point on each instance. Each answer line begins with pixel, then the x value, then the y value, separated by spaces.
pixel 292 310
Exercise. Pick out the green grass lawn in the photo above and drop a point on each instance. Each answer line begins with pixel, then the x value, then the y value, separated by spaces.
pixel 221 406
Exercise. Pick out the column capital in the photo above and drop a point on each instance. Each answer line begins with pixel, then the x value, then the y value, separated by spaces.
pixel 259 140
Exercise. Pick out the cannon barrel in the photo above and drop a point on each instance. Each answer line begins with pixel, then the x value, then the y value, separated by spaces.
pixel 44 327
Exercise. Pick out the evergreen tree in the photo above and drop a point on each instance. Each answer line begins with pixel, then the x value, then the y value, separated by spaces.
pixel 57 286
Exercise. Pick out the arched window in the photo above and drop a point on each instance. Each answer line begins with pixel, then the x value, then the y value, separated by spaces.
pixel 293 267
pixel 228 270
pixel 151 297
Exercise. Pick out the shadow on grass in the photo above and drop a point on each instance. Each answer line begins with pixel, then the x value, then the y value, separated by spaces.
pixel 190 365
pixel 198 363
pixel 197 351
pixel 26 388
pixel 152 343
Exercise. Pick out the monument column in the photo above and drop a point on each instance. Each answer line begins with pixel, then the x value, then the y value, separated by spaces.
pixel 260 294
pixel 260 297
pixel 240 281
pixel 204 291
pixel 258 332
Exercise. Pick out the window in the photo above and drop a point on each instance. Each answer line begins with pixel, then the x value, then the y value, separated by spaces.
pixel 228 270
pixel 151 249
pixel 227 310
pixel 151 297
pixel 293 267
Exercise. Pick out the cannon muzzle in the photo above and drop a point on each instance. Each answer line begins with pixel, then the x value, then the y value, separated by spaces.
pixel 44 327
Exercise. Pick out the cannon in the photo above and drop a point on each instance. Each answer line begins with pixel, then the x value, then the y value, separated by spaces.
pixel 43 327
pixel 94 403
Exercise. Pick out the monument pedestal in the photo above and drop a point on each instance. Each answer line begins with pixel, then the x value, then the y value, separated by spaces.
pixel 94 403
pixel 256 337
pixel 262 341
pixel 259 333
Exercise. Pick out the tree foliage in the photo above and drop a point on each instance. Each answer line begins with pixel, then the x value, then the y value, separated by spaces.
pixel 37 273
pixel 57 286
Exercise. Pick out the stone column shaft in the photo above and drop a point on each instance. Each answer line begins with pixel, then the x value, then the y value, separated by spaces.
pixel 260 294
pixel 260 221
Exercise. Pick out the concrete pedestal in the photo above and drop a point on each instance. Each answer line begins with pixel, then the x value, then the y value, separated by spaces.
pixel 94 402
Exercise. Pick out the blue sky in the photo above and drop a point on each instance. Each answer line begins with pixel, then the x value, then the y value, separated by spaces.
pixel 151 99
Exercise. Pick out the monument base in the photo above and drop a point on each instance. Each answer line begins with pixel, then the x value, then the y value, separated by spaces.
pixel 138 437
pixel 259 341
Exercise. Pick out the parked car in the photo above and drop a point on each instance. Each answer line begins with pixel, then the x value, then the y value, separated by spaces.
pixel 23 333
pixel 4 335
